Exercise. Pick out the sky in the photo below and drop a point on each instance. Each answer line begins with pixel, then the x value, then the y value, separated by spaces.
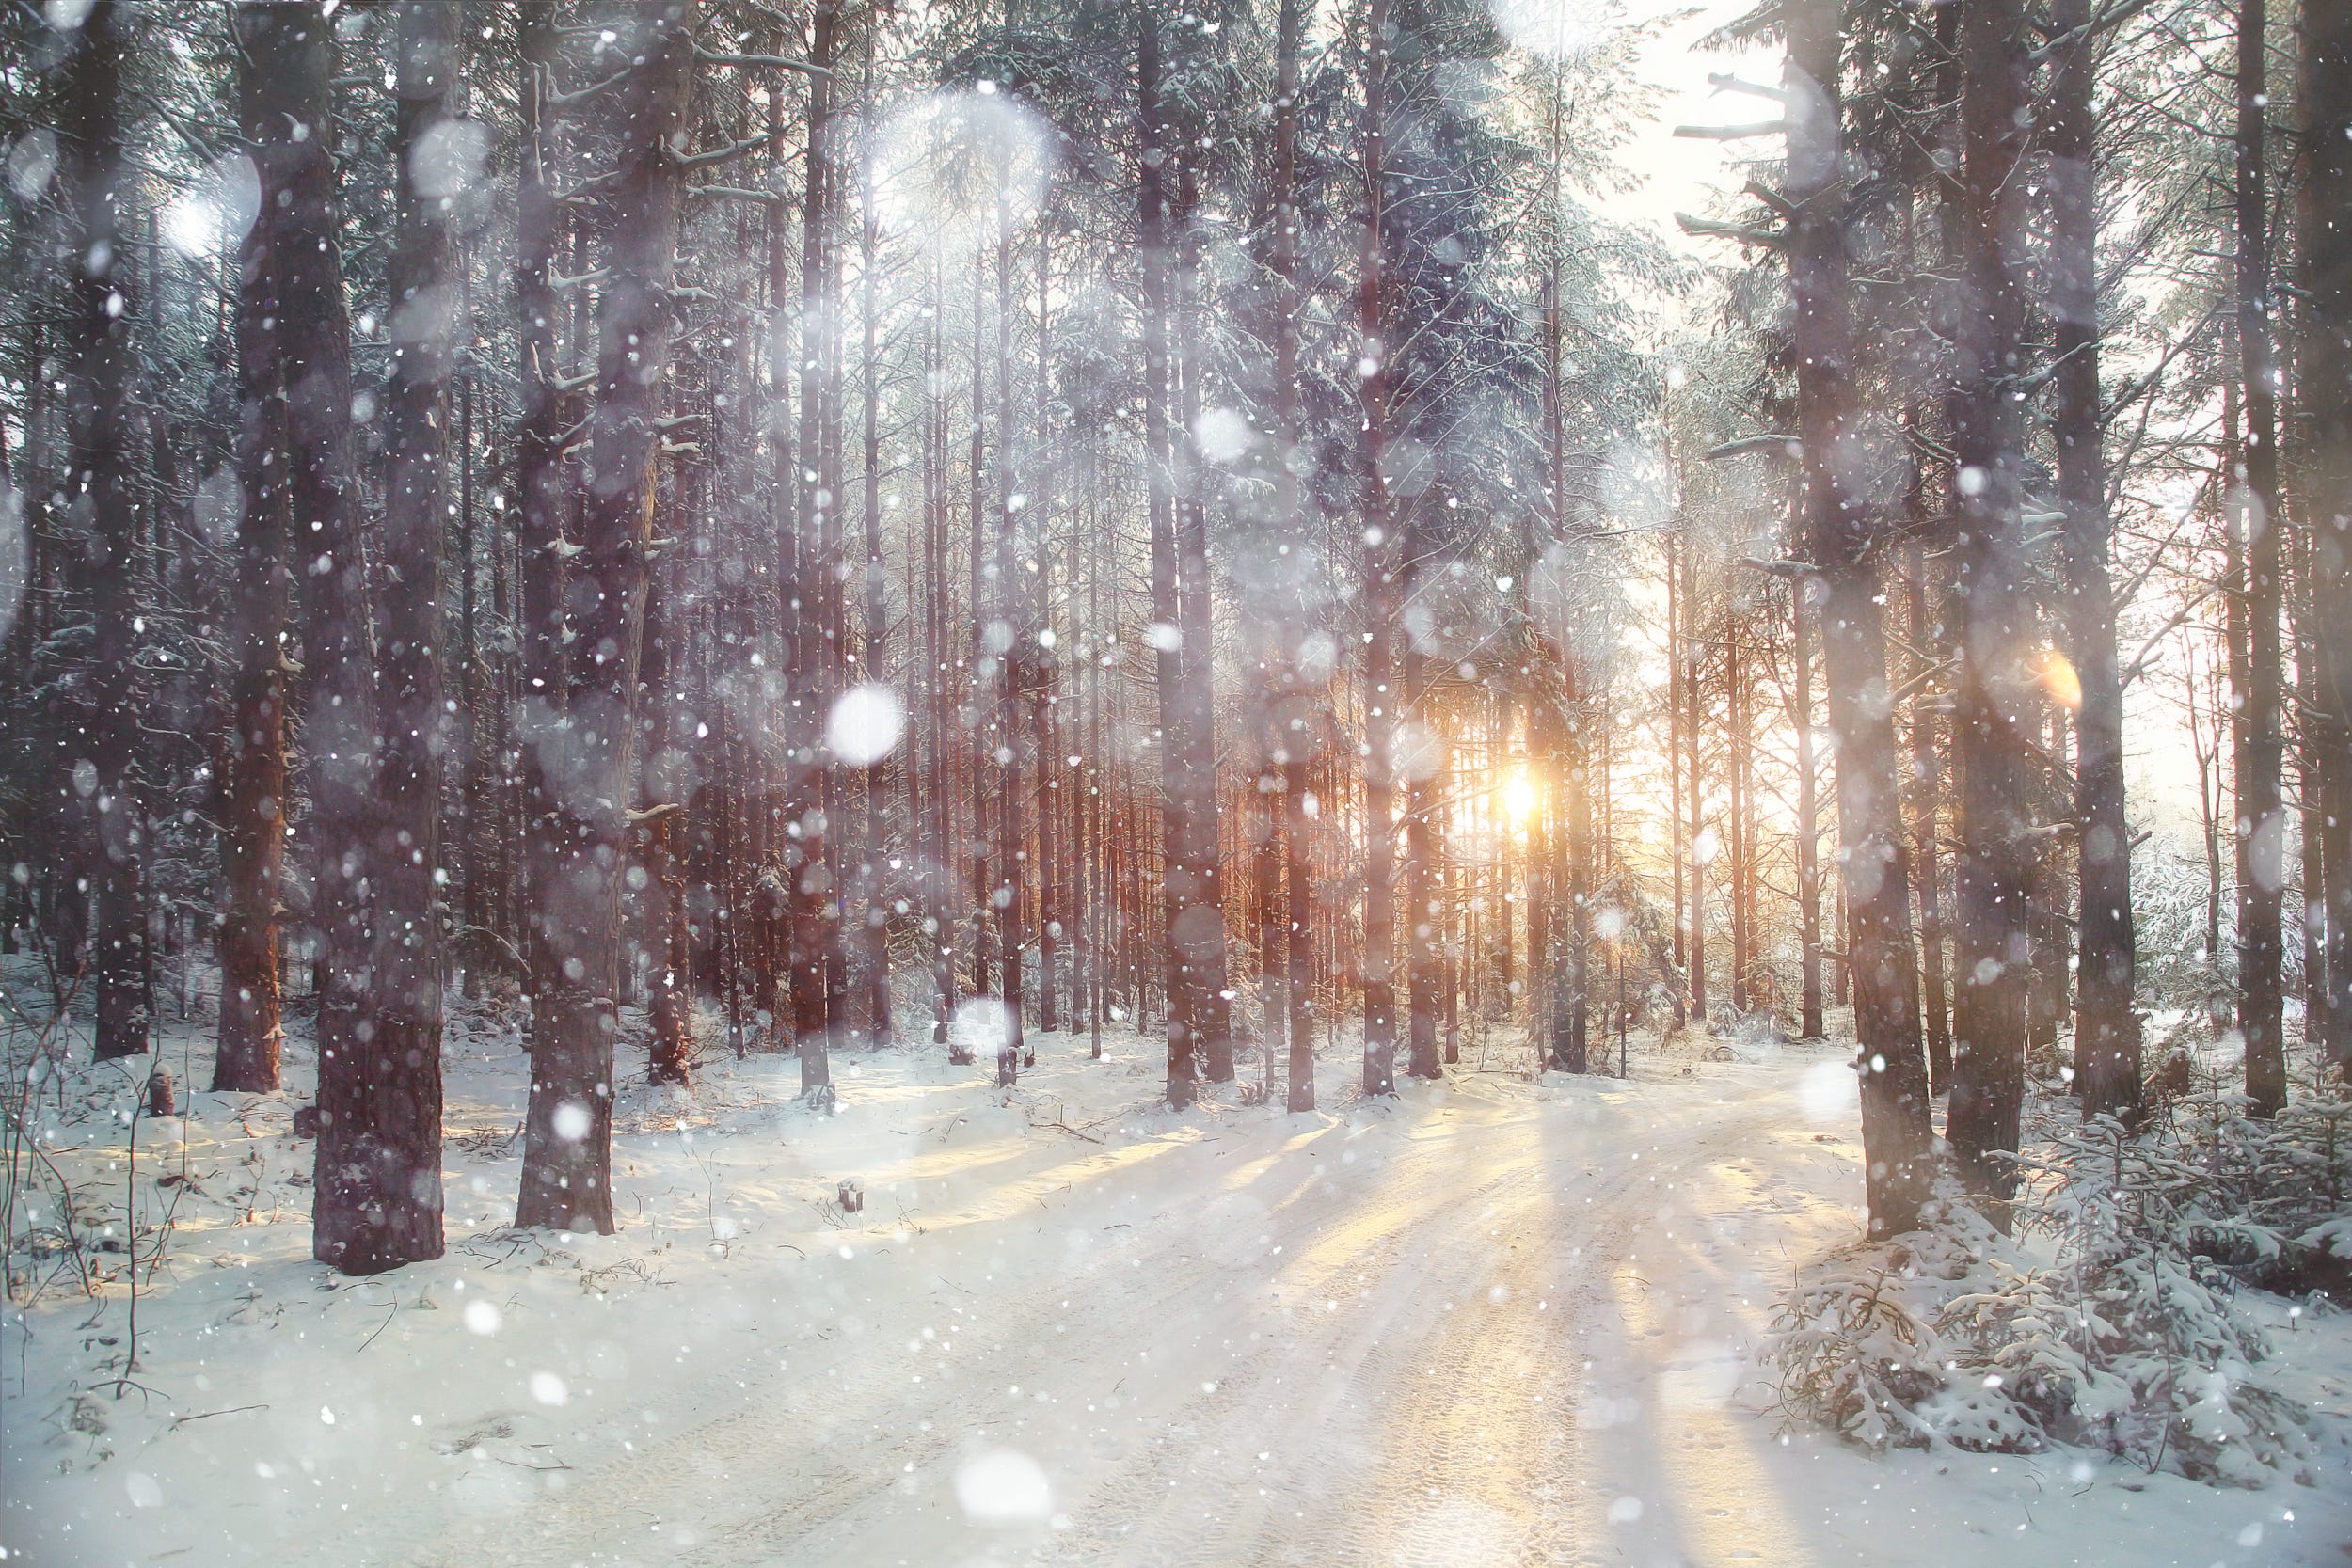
pixel 1679 172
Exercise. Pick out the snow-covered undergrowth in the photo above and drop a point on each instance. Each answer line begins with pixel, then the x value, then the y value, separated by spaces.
pixel 2121 1313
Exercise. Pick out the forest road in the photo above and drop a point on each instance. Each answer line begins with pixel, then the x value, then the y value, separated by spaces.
pixel 1498 1325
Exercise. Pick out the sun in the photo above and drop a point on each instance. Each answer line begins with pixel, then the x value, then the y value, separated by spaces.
pixel 1518 796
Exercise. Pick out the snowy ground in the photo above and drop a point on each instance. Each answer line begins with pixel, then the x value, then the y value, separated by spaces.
pixel 1494 1321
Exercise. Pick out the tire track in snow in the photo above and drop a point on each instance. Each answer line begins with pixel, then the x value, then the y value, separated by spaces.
pixel 1406 1415
pixel 1441 1428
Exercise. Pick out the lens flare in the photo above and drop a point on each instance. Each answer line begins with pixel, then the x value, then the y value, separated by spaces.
pixel 2060 681
pixel 1518 796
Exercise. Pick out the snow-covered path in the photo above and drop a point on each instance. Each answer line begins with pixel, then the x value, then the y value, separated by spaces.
pixel 1345 1337
pixel 1492 1321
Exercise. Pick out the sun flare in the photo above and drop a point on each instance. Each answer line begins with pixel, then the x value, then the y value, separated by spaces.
pixel 1518 796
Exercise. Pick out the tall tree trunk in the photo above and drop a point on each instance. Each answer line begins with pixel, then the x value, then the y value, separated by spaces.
pixel 1165 638
pixel 2324 365
pixel 1694 791
pixel 939 872
pixel 399 1101
pixel 669 1004
pixel 1203 898
pixel 814 899
pixel 544 500
pixel 1425 921
pixel 477 852
pixel 2262 820
pixel 2106 1030
pixel 1926 782
pixel 567 1177
pixel 1567 724
pixel 1298 739
pixel 254 799
pixel 1874 868
pixel 1572 972
pixel 1676 589
pixel 104 502
pixel 1997 696
pixel 882 775
pixel 1739 736
pixel 978 846
pixel 1380 568
pixel 378 1195
pixel 2206 745
pixel 1012 658
pixel 1046 672
pixel 1102 782
pixel 1809 1021
pixel 2310 832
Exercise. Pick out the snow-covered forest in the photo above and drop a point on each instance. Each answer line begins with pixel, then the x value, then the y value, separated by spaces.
pixel 1442 782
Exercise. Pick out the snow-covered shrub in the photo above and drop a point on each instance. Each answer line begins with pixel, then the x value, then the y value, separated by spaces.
pixel 2108 1318
pixel 2280 1185
pixel 1854 1352
pixel 2138 1223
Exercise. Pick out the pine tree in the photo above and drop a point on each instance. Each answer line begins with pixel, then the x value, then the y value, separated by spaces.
pixel 2106 1029
pixel 566 1180
pixel 104 508
pixel 1872 854
pixel 2323 360
pixel 1997 694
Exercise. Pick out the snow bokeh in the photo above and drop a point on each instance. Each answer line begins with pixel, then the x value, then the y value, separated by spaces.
pixel 210 217
pixel 1004 1487
pixel 1829 1094
pixel 956 169
pixel 865 725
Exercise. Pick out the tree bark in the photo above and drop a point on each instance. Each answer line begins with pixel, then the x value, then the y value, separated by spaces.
pixel 669 1004
pixel 543 501
pixel 1380 570
pixel 1998 694
pixel 1927 793
pixel 1167 661
pixel 1296 741
pixel 1694 789
pixel 1425 920
pixel 1809 1023
pixel 400 1103
pixel 2324 366
pixel 2262 819
pixel 1045 671
pixel 1010 651
pixel 377 1180
pixel 1675 849
pixel 1202 899
pixel 1739 736
pixel 2106 1030
pixel 566 1178
pixel 254 801
pixel 104 508
pixel 814 899
pixel 1567 723
pixel 883 792
pixel 1874 867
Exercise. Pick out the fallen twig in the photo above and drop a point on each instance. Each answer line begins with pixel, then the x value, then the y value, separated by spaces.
pixel 208 1415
